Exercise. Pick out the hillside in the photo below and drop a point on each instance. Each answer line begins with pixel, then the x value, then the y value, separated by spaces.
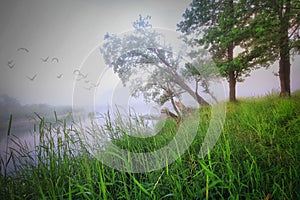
pixel 256 157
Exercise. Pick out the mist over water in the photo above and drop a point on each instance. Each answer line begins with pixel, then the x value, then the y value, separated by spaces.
pixel 26 119
pixel 41 71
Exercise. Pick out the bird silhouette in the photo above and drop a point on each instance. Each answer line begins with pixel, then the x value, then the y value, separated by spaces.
pixel 84 76
pixel 59 76
pixel 10 64
pixel 79 74
pixel 76 72
pixel 54 59
pixel 32 78
pixel 23 49
pixel 45 59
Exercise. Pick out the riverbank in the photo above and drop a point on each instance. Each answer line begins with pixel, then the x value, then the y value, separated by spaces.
pixel 257 156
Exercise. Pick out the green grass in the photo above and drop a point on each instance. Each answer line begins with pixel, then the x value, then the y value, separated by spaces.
pixel 258 153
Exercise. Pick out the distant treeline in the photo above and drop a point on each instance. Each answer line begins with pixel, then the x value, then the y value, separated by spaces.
pixel 11 106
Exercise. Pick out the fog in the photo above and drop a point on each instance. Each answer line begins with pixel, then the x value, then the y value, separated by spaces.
pixel 49 52
pixel 51 66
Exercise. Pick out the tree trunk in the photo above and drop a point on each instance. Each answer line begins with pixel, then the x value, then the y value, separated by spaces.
pixel 284 60
pixel 232 86
pixel 172 115
pixel 178 79
pixel 231 72
pixel 284 75
pixel 176 110
pixel 232 77
pixel 195 95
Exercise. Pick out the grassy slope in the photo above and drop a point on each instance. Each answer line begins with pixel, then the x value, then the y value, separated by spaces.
pixel 258 154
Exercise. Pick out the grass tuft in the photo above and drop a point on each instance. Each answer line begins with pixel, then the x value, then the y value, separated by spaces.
pixel 256 157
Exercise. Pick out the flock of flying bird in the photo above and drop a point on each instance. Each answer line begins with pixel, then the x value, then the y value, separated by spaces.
pixel 77 72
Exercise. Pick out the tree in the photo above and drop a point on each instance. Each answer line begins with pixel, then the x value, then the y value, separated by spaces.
pixel 150 67
pixel 266 30
pixel 276 34
pixel 220 26
pixel 160 88
pixel 201 71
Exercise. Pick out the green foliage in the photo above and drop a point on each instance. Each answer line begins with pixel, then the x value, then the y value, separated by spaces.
pixel 165 131
pixel 257 155
pixel 275 33
pixel 219 25
pixel 265 30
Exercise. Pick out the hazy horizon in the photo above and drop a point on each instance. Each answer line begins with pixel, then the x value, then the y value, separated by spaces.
pixel 64 36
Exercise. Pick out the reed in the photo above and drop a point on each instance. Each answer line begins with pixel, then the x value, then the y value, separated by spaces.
pixel 256 157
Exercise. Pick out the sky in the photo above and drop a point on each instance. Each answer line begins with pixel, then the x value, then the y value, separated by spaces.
pixel 66 34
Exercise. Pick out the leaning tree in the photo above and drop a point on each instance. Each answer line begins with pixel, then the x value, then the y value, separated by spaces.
pixel 148 65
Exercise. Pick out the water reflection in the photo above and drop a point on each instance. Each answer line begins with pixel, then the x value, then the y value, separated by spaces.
pixel 27 137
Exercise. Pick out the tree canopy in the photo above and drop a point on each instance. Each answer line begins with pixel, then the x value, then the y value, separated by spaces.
pixel 220 26
pixel 149 66
pixel 264 31
pixel 275 36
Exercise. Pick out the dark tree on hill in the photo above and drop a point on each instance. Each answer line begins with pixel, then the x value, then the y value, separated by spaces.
pixel 275 35
pixel 220 26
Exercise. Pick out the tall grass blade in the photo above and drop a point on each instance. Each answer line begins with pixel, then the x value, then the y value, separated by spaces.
pixel 140 185
pixel 9 125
